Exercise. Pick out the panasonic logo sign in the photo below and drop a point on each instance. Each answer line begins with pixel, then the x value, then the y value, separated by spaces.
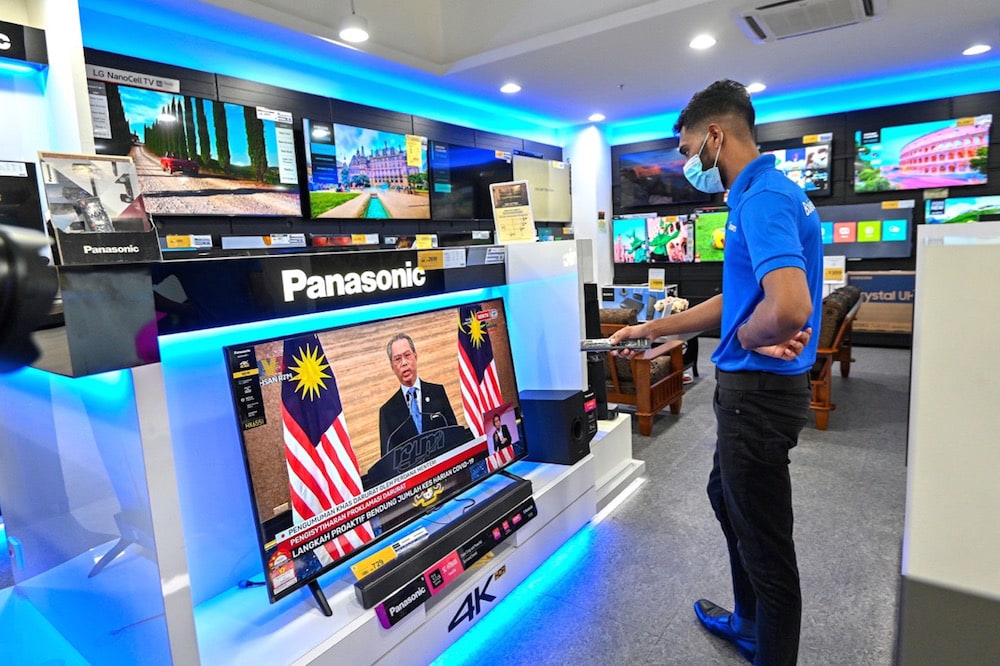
pixel 405 603
pixel 110 249
pixel 331 285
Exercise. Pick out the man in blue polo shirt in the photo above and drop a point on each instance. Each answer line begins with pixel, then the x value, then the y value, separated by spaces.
pixel 772 281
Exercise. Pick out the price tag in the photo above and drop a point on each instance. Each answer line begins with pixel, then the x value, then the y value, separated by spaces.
pixel 373 563
pixel 431 260
pixel 177 241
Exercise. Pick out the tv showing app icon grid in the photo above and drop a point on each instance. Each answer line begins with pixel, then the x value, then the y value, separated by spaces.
pixel 863 231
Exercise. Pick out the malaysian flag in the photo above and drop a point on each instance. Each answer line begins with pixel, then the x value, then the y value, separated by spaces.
pixel 477 369
pixel 322 468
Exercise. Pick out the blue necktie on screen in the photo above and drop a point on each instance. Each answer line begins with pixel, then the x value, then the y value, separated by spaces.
pixel 415 409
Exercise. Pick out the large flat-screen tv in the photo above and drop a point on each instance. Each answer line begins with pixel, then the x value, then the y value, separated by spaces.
pixel 671 239
pixel 549 184
pixel 942 153
pixel 358 173
pixel 868 231
pixel 709 233
pixel 197 156
pixel 647 176
pixel 957 210
pixel 460 179
pixel 805 160
pixel 333 455
pixel 630 243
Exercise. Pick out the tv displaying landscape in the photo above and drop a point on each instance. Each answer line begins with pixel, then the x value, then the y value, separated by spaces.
pixel 461 177
pixel 358 173
pixel 197 156
pixel 943 153
pixel 805 160
pixel 650 175
pixel 630 244
pixel 338 454
pixel 549 184
pixel 959 210
pixel 868 231
pixel 710 233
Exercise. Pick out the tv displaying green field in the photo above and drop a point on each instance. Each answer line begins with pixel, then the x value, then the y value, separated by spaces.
pixel 710 234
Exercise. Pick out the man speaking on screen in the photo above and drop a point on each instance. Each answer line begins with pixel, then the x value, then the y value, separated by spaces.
pixel 417 406
pixel 772 281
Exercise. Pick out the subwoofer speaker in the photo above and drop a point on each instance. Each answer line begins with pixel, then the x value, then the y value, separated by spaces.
pixel 558 425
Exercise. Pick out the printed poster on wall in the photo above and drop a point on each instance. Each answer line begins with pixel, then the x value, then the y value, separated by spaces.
pixel 512 213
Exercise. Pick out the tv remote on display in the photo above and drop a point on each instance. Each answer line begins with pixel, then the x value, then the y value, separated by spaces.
pixel 604 344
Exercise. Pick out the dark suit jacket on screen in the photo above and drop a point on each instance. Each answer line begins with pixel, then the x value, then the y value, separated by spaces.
pixel 501 438
pixel 395 424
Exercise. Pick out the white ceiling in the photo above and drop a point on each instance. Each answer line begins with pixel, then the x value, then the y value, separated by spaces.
pixel 630 59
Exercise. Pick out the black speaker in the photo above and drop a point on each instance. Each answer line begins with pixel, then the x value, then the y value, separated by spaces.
pixel 557 425
pixel 596 376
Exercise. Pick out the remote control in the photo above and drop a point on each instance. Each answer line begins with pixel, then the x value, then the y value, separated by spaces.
pixel 604 344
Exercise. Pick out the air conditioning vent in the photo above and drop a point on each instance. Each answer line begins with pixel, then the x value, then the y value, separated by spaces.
pixel 792 18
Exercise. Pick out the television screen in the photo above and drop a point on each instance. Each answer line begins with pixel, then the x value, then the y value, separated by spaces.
pixel 806 161
pixel 709 233
pixel 868 231
pixel 339 454
pixel 357 173
pixel 671 239
pixel 943 153
pixel 630 242
pixel 461 177
pixel 197 156
pixel 956 210
pixel 549 181
pixel 647 179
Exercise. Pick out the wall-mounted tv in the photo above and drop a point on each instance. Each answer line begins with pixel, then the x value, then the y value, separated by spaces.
pixel 957 210
pixel 549 183
pixel 197 156
pixel 943 153
pixel 358 173
pixel 339 455
pixel 709 233
pixel 630 244
pixel 649 175
pixel 460 178
pixel 671 239
pixel 868 231
pixel 805 160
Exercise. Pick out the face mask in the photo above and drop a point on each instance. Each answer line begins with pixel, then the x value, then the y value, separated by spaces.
pixel 705 180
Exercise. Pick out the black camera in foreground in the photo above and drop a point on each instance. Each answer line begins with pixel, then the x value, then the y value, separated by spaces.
pixel 27 286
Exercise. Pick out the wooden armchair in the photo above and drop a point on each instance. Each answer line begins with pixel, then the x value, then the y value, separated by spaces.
pixel 839 310
pixel 648 384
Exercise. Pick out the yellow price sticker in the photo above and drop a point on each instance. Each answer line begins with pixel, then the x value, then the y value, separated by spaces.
pixel 373 563
pixel 415 150
pixel 965 122
pixel 431 260
pixel 833 273
pixel 890 205
pixel 359 239
pixel 424 241
pixel 178 241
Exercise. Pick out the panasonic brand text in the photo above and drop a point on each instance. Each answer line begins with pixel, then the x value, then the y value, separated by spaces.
pixel 332 285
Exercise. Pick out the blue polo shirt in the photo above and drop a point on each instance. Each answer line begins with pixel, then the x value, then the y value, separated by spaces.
pixel 772 224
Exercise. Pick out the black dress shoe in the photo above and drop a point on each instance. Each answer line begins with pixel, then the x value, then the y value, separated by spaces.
pixel 719 622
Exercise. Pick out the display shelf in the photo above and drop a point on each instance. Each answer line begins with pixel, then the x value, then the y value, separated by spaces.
pixel 615 468
pixel 239 626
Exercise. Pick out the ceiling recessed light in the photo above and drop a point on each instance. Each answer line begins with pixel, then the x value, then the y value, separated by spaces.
pixel 354 28
pixel 977 49
pixel 702 42
pixel 596 117
pixel 510 88
pixel 756 87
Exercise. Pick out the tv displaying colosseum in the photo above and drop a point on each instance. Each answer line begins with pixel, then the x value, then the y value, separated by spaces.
pixel 943 153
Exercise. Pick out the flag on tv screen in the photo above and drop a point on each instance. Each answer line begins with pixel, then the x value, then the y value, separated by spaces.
pixel 477 369
pixel 322 468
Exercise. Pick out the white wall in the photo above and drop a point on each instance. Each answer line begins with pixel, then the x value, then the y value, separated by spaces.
pixel 590 155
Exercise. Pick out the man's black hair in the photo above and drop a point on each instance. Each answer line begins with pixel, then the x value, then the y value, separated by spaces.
pixel 725 97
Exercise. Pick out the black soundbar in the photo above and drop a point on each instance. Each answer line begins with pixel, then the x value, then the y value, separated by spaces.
pixel 381 583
